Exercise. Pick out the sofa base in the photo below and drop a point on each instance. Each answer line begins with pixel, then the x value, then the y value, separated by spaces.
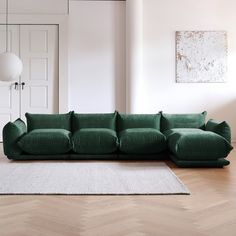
pixel 192 164
pixel 122 157
pixel 119 156
pixel 74 156
pixel 25 157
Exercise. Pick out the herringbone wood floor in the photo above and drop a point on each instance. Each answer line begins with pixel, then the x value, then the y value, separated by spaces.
pixel 209 210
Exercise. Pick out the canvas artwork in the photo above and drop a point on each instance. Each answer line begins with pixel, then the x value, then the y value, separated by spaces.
pixel 201 56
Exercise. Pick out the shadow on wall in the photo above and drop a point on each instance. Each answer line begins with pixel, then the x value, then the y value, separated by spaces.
pixel 226 113
pixel 119 60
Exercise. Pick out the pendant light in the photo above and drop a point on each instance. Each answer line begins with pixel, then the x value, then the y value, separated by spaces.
pixel 11 65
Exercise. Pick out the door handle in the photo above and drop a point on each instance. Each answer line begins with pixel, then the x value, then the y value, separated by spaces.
pixel 16 85
pixel 22 85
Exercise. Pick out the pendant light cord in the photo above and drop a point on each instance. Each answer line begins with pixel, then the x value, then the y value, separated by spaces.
pixel 7 49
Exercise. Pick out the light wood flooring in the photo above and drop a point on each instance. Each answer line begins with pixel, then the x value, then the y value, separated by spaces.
pixel 209 211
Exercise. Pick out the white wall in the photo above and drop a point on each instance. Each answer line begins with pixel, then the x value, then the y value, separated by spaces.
pixel 160 91
pixel 134 55
pixel 97 56
pixel 35 6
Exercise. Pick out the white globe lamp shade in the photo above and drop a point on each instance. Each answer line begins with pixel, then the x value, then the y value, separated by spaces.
pixel 11 66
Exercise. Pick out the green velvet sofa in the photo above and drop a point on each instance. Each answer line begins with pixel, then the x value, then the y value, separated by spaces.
pixel 186 138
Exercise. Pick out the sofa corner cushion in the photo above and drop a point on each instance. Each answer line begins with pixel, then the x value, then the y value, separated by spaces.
pixel 46 142
pixel 48 121
pixel 11 133
pixel 196 144
pixel 221 128
pixel 142 141
pixel 94 120
pixel 171 121
pixel 95 141
pixel 130 121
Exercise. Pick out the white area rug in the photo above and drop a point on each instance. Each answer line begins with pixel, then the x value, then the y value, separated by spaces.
pixel 88 177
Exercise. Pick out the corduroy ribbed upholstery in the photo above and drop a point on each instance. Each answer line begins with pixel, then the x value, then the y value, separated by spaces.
pixel 46 141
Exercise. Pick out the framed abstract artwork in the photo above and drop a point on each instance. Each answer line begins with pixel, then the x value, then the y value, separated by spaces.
pixel 201 56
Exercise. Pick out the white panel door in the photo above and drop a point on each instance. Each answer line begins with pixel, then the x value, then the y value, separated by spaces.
pixel 39 53
pixel 9 95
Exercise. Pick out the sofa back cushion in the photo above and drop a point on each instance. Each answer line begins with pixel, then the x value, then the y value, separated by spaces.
pixel 130 121
pixel 172 121
pixel 48 121
pixel 94 120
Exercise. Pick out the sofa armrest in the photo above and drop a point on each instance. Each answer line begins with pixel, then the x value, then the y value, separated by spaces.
pixel 12 132
pixel 221 128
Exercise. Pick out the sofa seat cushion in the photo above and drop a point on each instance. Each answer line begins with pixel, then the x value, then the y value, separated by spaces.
pixel 196 144
pixel 46 141
pixel 95 141
pixel 142 141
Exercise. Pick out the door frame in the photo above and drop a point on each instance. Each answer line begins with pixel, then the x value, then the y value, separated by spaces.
pixel 62 22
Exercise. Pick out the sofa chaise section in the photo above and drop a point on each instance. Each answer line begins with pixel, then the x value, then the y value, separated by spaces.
pixel 197 145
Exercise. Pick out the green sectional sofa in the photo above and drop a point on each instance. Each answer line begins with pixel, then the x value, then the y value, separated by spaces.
pixel 186 138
